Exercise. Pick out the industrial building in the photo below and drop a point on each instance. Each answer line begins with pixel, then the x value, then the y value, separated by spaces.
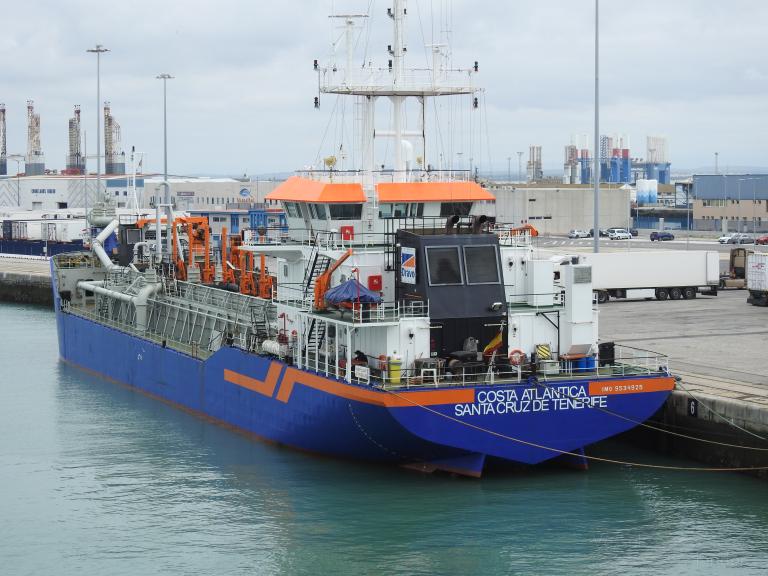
pixel 556 209
pixel 114 156
pixel 75 158
pixel 534 169
pixel 617 166
pixel 62 191
pixel 34 163
pixel 730 202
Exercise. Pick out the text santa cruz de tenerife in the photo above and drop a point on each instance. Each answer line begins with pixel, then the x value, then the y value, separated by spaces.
pixel 511 401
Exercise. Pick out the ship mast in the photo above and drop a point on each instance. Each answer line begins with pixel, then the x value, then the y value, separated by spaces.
pixel 397 83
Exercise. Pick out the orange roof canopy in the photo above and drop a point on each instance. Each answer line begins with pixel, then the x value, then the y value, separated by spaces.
pixel 433 192
pixel 297 189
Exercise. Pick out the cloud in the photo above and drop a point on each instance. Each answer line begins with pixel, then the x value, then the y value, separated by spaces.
pixel 241 99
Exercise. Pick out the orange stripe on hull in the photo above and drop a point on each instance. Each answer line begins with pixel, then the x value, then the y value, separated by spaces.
pixel 633 386
pixel 425 398
pixel 266 386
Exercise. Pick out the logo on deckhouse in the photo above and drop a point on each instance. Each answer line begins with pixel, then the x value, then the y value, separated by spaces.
pixel 408 265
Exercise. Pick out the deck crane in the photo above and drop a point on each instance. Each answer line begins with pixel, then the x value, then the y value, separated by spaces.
pixel 324 280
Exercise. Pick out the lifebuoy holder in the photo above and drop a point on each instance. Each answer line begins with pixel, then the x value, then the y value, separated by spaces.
pixel 516 356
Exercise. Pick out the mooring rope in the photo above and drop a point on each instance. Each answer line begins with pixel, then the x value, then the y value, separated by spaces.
pixel 576 454
pixel 723 418
pixel 657 428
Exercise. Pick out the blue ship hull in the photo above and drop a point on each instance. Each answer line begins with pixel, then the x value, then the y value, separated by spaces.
pixel 451 429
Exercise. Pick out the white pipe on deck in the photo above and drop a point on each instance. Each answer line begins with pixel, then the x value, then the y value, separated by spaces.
pixel 98 245
pixel 139 301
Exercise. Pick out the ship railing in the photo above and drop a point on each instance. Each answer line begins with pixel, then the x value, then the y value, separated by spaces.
pixel 371 79
pixel 379 371
pixel 191 348
pixel 630 360
pixel 386 176
pixel 75 260
pixel 354 312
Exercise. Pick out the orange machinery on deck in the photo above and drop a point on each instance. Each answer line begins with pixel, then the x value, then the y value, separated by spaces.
pixel 230 247
pixel 199 239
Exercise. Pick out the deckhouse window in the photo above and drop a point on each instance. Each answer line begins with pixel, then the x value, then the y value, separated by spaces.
pixel 443 265
pixel 481 264
pixel 346 211
pixel 416 210
pixel 401 210
pixel 292 209
pixel 458 208
pixel 318 211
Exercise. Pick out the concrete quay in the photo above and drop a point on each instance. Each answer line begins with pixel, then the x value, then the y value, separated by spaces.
pixel 716 346
pixel 25 279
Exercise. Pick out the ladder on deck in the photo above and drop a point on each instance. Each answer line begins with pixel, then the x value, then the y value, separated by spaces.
pixel 316 334
pixel 319 265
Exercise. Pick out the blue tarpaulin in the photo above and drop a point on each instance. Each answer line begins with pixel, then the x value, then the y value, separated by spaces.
pixel 351 291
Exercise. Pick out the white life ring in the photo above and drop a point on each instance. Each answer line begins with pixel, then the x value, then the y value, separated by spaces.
pixel 516 356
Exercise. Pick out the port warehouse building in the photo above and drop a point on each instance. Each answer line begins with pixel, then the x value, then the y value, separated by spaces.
pixel 59 192
pixel 557 208
pixel 730 202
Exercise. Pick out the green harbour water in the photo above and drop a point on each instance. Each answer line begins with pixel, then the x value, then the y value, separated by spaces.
pixel 98 479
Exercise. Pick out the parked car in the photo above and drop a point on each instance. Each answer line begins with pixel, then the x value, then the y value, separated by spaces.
pixel 725 237
pixel 619 234
pixel 578 234
pixel 633 231
pixel 661 236
pixel 740 239
pixel 603 233
pixel 762 240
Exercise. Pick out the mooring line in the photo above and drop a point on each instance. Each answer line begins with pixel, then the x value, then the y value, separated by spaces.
pixel 578 455
pixel 726 420
pixel 663 430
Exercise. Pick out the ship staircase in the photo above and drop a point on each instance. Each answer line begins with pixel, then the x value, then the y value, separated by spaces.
pixel 319 264
pixel 260 321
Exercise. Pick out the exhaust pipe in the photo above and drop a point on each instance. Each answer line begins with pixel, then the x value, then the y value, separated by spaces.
pixel 478 222
pixel 450 223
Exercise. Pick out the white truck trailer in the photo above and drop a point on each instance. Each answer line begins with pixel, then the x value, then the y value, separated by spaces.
pixel 659 274
pixel 757 278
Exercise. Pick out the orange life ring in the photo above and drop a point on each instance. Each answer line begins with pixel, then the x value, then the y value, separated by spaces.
pixel 516 356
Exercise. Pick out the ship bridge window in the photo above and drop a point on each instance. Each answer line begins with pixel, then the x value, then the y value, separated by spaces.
pixel 481 264
pixel 318 211
pixel 346 211
pixel 443 265
pixel 401 210
pixel 458 208
pixel 292 209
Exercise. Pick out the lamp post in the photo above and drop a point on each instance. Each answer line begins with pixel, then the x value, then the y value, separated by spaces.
pixel 519 167
pixel 98 50
pixel 167 194
pixel 509 168
pixel 165 77
pixel 596 177
pixel 754 197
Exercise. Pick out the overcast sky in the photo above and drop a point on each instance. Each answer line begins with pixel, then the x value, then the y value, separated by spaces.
pixel 694 71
